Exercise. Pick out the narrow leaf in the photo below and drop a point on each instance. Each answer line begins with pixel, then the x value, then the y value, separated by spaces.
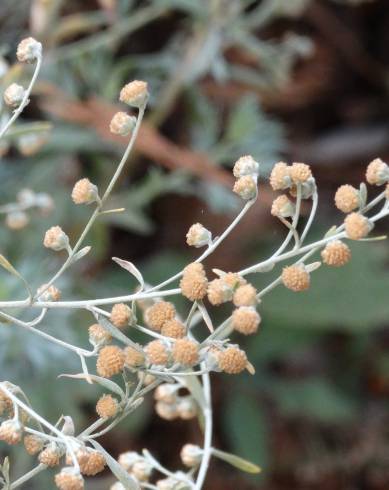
pixel 238 462
pixel 115 332
pixel 205 315
pixel 81 253
pixel 106 383
pixel 130 267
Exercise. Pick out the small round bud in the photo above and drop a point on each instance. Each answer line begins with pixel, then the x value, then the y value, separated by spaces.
pixel 174 329
pixel 191 455
pixel 98 335
pixel 198 236
pixel 69 479
pixel 300 173
pixel 110 361
pixel 347 198
pixel 50 456
pixel 121 315
pixel 246 165
pixel 56 239
pixel 283 207
pixel 218 292
pixel 280 177
pixel 29 50
pixel 33 444
pixel 17 220
pixel 194 282
pixel 14 95
pixel 91 461
pixel 84 192
pixel 157 353
pixel 128 459
pixel 336 253
pixel 50 293
pixel 142 470
pixel 11 432
pixel 295 277
pixel 187 408
pixel 158 314
pixel 122 124
pixel 377 172
pixel 134 357
pixel 166 393
pixel 245 295
pixel 232 360
pixel 246 187
pixel 134 93
pixel 167 411
pixel 357 226
pixel 107 407
pixel 185 352
pixel 246 320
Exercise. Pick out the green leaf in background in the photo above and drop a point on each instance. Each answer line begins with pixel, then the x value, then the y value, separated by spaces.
pixel 240 463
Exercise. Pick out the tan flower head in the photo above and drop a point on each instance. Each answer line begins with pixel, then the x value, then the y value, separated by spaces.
pixel 110 361
pixel 6 404
pixel 158 314
pixel 84 192
pixel 194 282
pixel 246 320
pixel 357 226
pixel 246 165
pixel 56 238
pixel 98 335
pixel 134 357
pixel 91 461
pixel 245 295
pixel 198 236
pixel 134 93
pixel 186 352
pixel 167 411
pixel 232 360
pixel 246 187
pixel 121 315
pixel 107 407
pixel 122 124
pixel 218 292
pixel 157 353
pixel 69 479
pixel 11 432
pixel 283 207
pixel 33 444
pixel 280 177
pixel 191 455
pixel 50 293
pixel 174 329
pixel 377 172
pixel 28 50
pixel 336 253
pixel 295 277
pixel 13 95
pixel 50 456
pixel 166 393
pixel 347 198
pixel 300 173
pixel 187 408
pixel 142 470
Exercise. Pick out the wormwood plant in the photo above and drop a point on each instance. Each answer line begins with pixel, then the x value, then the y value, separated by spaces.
pixel 178 354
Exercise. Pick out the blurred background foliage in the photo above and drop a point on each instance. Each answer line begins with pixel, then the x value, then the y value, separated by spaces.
pixel 302 80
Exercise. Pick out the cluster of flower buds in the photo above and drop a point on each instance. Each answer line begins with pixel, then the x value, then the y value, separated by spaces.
pixel 170 405
pixel 290 177
pixel 136 465
pixel 246 171
pixel 17 218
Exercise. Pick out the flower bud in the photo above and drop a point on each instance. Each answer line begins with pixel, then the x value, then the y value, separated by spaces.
pixel 69 479
pixel 198 236
pixel 56 239
pixel 280 177
pixel 232 360
pixel 122 124
pixel 107 407
pixel 191 455
pixel 13 95
pixel 84 192
pixel 17 220
pixel 134 93
pixel 357 226
pixel 347 198
pixel 50 293
pixel 246 165
pixel 11 432
pixel 29 50
pixel 283 207
pixel 98 335
pixel 377 172
pixel 295 278
pixel 128 459
pixel 187 408
pixel 246 187
pixel 141 470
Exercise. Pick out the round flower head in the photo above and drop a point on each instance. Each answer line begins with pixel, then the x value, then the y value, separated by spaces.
pixel 191 455
pixel 218 292
pixel 280 177
pixel 246 320
pixel 6 404
pixel 157 353
pixel 50 293
pixel 69 479
pixel 246 165
pixel 245 295
pixel 107 407
pixel 134 93
pixel 283 207
pixel 56 239
pixel 347 198
pixel 194 282
pixel 91 461
pixel 50 456
pixel 121 315
pixel 110 361
pixel 17 220
pixel 377 172
pixel 122 124
pixel 357 226
pixel 174 329
pixel 232 360
pixel 336 253
pixel 158 314
pixel 13 95
pixel 186 352
pixel 128 459
pixel 198 236
pixel 11 432
pixel 134 357
pixel 33 444
pixel 142 470
pixel 84 192
pixel 187 408
pixel 246 187
pixel 166 393
pixel 300 173
pixel 98 335
pixel 295 277
pixel 29 50
pixel 167 411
